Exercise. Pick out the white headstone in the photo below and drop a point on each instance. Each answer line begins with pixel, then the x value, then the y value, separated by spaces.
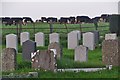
pixel 73 40
pixel 110 36
pixel 24 36
pixel 39 39
pixel 12 41
pixel 54 37
pixel 81 53
pixel 79 34
pixel 88 40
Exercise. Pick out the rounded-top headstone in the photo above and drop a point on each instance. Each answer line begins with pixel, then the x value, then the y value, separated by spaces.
pixel 11 41
pixel 39 39
pixel 24 36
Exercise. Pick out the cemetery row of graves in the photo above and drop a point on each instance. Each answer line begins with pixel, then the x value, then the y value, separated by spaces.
pixel 45 55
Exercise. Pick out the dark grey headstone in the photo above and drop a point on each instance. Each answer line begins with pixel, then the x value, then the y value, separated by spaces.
pixel 96 35
pixel 114 21
pixel 9 59
pixel 28 47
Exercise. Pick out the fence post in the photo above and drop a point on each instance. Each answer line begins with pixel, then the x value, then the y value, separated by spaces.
pixel 34 28
pixel 51 27
pixel 66 27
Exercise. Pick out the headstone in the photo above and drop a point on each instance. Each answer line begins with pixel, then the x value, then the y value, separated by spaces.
pixel 11 41
pixel 54 37
pixel 110 52
pixel 9 59
pixel 79 34
pixel 96 35
pixel 45 59
pixel 81 53
pixel 114 23
pixel 39 39
pixel 55 45
pixel 73 40
pixel 28 47
pixel 24 36
pixel 88 40
pixel 110 36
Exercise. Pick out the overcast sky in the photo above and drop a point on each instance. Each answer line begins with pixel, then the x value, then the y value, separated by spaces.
pixel 35 9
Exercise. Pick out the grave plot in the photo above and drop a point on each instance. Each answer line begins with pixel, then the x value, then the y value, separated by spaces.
pixel 72 61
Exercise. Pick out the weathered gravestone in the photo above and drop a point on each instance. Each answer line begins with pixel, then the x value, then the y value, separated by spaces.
pixel 55 45
pixel 24 36
pixel 54 37
pixel 11 41
pixel 110 36
pixel 88 40
pixel 73 40
pixel 45 59
pixel 111 52
pixel 39 39
pixel 96 35
pixel 81 53
pixel 28 47
pixel 9 59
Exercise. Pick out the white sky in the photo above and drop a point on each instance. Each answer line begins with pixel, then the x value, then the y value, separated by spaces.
pixel 37 8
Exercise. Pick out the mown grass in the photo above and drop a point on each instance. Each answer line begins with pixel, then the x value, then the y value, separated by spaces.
pixel 67 61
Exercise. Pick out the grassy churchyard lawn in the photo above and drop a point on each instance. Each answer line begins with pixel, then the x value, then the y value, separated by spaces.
pixel 67 61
